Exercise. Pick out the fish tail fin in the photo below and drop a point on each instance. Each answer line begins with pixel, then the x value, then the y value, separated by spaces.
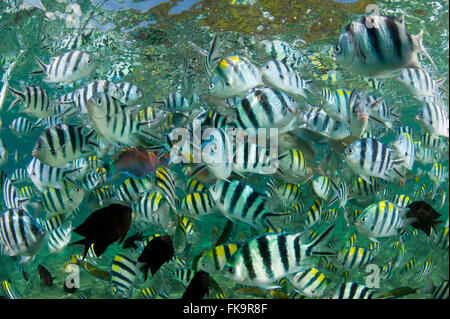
pixel 43 66
pixel 315 248
pixel 419 39
pixel 20 97
pixel 85 242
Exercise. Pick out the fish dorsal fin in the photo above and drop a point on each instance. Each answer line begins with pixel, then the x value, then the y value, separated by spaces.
pixel 401 20
pixel 419 44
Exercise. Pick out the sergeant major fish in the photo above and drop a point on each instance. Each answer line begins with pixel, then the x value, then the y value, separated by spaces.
pixel 376 46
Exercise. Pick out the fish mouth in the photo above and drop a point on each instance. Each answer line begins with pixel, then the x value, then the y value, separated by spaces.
pixel 34 152
pixel 363 118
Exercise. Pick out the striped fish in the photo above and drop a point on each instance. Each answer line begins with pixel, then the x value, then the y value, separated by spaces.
pixel 61 144
pixel 401 200
pixel 410 265
pixel 69 67
pixel 313 216
pixel 123 275
pixel 335 103
pixel 44 176
pixel 425 155
pixel 62 200
pixel 404 149
pixel 420 83
pixel 438 174
pixel 82 96
pixel 131 93
pixel 215 258
pixel 425 269
pixel 266 108
pixel 377 46
pixel 310 282
pixel 281 51
pixel 354 257
pixel 217 153
pixel 19 175
pixel 211 118
pixel 441 291
pixel 323 186
pixel 194 186
pixel 151 208
pixel 132 188
pixel 351 242
pixel 433 119
pixel 26 193
pixel 35 100
pixel 239 201
pixel 382 219
pixel 233 76
pixel 10 194
pixel 353 290
pixel 20 234
pixel 149 293
pixel 22 126
pixel 116 123
pixel 292 162
pixel 59 238
pixel 317 120
pixel 184 275
pixel 330 216
pixel 165 182
pixel 198 204
pixel 177 102
pixel 253 158
pixel 284 77
pixel 51 120
pixel 289 193
pixel 370 157
pixel 52 223
pixel 270 257
pixel 442 240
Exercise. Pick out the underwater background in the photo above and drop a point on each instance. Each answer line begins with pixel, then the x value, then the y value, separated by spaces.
pixel 145 42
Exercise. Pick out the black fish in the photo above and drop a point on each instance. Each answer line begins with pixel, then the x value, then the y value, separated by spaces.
pixel 104 227
pixel 426 216
pixel 198 287
pixel 130 241
pixel 45 275
pixel 157 252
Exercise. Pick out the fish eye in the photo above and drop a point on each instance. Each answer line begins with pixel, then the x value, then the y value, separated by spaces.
pixel 227 83
pixel 230 270
pixel 99 101
pixel 337 49
pixel 363 220
pixel 349 151
pixel 211 86
pixel 215 148
pixel 267 66
pixel 88 60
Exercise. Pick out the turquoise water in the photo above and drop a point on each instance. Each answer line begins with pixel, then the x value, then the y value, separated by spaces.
pixel 145 42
